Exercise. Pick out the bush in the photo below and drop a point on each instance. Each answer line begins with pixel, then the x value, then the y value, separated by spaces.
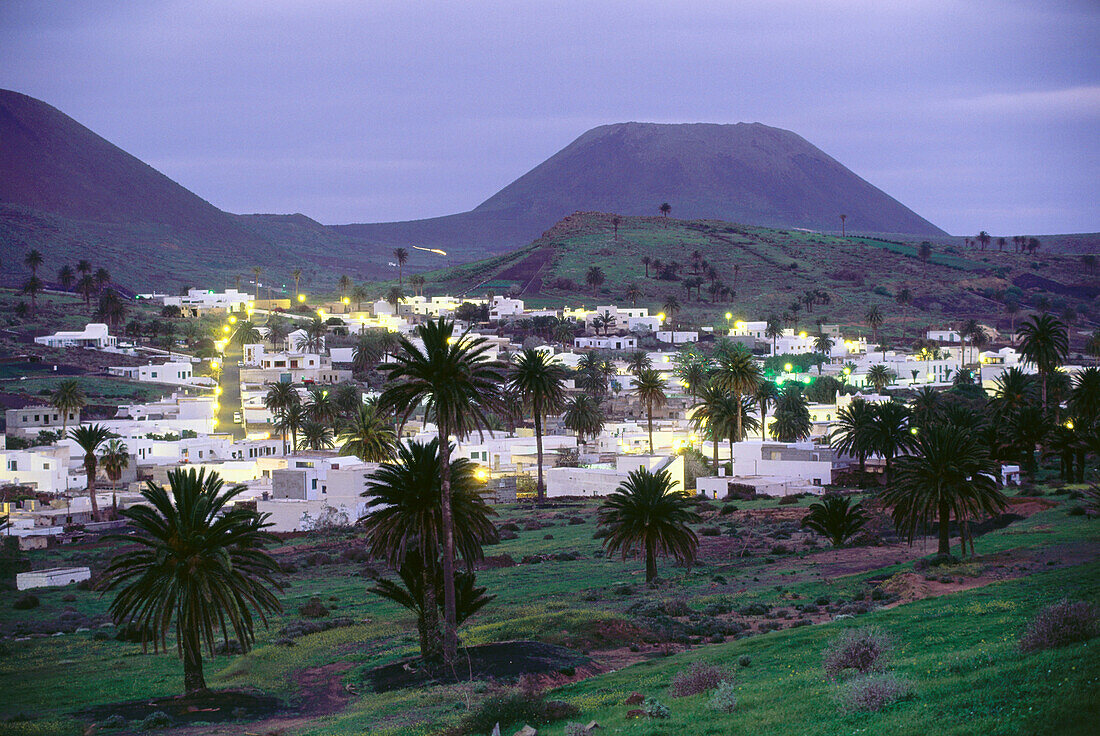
pixel 26 602
pixel 114 721
pixel 313 609
pixel 699 678
pixel 863 650
pixel 709 531
pixel 156 719
pixel 355 554
pixel 508 534
pixel 744 660
pixel 655 709
pixel 1066 622
pixel 724 699
pixel 788 500
pixel 515 708
pixel 872 693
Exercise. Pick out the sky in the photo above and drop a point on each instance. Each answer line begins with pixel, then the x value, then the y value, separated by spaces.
pixel 978 115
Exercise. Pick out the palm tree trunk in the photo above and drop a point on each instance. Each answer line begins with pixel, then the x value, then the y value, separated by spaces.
pixel 1044 383
pixel 945 540
pixel 649 417
pixel 738 437
pixel 429 615
pixel 650 561
pixel 540 487
pixel 715 438
pixel 763 421
pixel 89 470
pixel 450 627
pixel 193 680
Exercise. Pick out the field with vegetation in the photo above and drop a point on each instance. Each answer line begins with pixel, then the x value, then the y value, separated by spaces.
pixel 762 602
pixel 760 272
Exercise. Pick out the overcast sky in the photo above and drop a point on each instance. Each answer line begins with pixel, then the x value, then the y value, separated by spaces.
pixel 977 115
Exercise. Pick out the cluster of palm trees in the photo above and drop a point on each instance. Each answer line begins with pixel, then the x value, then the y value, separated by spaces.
pixel 84 280
pixel 1021 243
pixel 325 418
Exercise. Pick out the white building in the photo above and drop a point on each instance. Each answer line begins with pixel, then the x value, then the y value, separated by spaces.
pixel 94 335
pixel 607 342
pixel 677 337
pixel 178 373
pixel 198 301
pixel 45 468
pixel 604 480
pixel 52 578
pixel 317 487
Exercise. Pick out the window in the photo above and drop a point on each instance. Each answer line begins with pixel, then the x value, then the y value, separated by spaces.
pixel 13 465
pixel 313 485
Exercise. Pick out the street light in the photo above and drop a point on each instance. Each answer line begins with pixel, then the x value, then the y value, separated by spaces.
pixel 788 367
pixel 301 298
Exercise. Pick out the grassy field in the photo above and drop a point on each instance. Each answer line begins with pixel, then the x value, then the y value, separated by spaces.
pixel 957 649
pixel 768 269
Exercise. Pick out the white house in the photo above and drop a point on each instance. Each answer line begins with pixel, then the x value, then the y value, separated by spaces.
pixel 178 373
pixel 199 300
pixel 317 486
pixel 677 337
pixel 605 479
pixel 44 468
pixel 94 335
pixel 52 577
pixel 607 342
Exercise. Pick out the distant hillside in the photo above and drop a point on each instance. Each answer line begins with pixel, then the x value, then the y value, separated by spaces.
pixel 768 269
pixel 748 173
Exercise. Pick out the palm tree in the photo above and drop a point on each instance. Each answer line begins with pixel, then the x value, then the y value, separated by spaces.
pixel 584 415
pixel 773 330
pixel 458 383
pixel 792 415
pixel 359 294
pixel 835 517
pixel 316 436
pixel 67 398
pixel 646 515
pixel 766 393
pixel 1044 343
pixel 949 474
pixel 650 388
pixel 693 371
pixel 672 308
pixel 102 277
pixel 824 345
pixel 405 517
pixel 646 260
pixel 32 287
pixel 296 274
pixel 925 407
pixel 888 432
pixel 199 563
pixel 246 334
pixel 87 287
pixel 594 278
pixel 879 376
pixel 401 255
pixel 321 407
pixel 874 320
pixel 256 270
pixel 638 361
pixel 615 221
pixel 851 431
pixel 66 277
pixel 368 436
pixel 1084 401
pixel 89 437
pixel 278 330
pixel 665 208
pixel 633 293
pixel 1012 391
pixel 114 459
pixel 278 400
pixel 83 267
pixel 707 414
pixel 983 239
pixel 737 373
pixel 314 341
pixel 394 297
pixel 539 382
pixel 843 217
pixel 33 260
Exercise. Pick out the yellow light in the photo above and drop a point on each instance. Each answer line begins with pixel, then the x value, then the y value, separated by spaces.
pixel 802 335
pixel 214 364
pixel 661 316
pixel 481 474
pixel 729 316
pixel 847 371
pixel 788 367
pixel 214 421
pixel 912 430
pixel 217 390
pixel 225 328
pixel 217 406
pixel 321 313
pixel 1069 424
pixel 301 298
pixel 739 324
pixel 232 320
pixel 345 300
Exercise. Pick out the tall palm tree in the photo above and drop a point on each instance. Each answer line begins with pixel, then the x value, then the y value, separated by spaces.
pixel 316 436
pixel 405 515
pixel 646 515
pixel 888 432
pixel 278 400
pixel 32 287
pixel 33 260
pixel 1044 344
pixel 949 474
pixel 638 361
pixel 401 255
pixel 102 277
pixel 539 382
pixel 345 284
pixel 278 330
pixel 650 389
pixel 879 376
pixel 792 415
pixel 584 415
pixel 925 407
pixel 1084 401
pixel 773 330
pixel 458 383
pixel 594 278
pixel 246 333
pixel 296 274
pixel 359 295
pixel 200 564
pixel 646 260
pixel 672 308
pixel 851 434
pixel 665 208
pixel 66 277
pixel 256 271
pixel 633 293
pixel 824 345
pixel 320 406
pixel 83 267
pixel 1012 391
pixel 369 436
pixel 89 437
pixel 766 393
pixel 693 371
pixel 68 398
pixel 736 372
pixel 114 458
pixel 707 414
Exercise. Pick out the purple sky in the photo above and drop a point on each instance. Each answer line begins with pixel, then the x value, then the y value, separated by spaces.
pixel 976 114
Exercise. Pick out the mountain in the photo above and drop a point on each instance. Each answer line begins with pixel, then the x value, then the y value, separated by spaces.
pixel 747 173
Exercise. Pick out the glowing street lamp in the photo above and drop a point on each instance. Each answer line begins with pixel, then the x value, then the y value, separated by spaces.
pixel 217 390
pixel 301 298
pixel 729 316
pixel 661 316
pixel 232 320
pixel 346 301
pixel 788 367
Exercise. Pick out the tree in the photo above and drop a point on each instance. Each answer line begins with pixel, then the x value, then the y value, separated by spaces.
pixel 792 415
pixel 949 474
pixel 888 432
pixel 633 293
pixel 672 308
pixel 773 330
pixel 321 407
pixel 416 281
pixel 315 436
pixel 824 345
pixel 983 239
pixel 539 382
pixel 458 384
pixel 843 232
pixel 102 277
pixel 665 208
pixel 296 274
pixel 401 256
pixel 646 260
pixel 32 287
pixel 246 334
pixel 256 271
pixel 67 398
pixel 66 277
pixel 114 458
pixel 279 400
pixel 594 278
pixel 368 436
pixel 650 389
pixel 344 283
pixel 89 437
pixel 835 517
pixel 603 322
pixel 615 221
pixel 200 564
pixel 646 515
pixel 86 286
pixel 405 517
pixel 278 330
pixel 879 376
pixel 1044 344
pixel 736 372
pixel 584 416
pixel 766 393
pixel 394 297
pixel 1084 401
pixel 851 431
pixel 638 361
pixel 874 320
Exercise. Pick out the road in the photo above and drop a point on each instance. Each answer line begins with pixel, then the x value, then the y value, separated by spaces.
pixel 230 399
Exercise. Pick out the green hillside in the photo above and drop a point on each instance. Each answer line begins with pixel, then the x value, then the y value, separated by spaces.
pixel 767 270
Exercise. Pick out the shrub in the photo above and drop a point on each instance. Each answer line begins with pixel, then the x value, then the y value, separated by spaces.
pixel 724 699
pixel 675 607
pixel 576 729
pixel 493 562
pixel 156 719
pixel 788 500
pixel 355 554
pixel 25 602
pixel 513 708
pixel 1066 622
pixel 698 678
pixel 655 709
pixel 709 531
pixel 114 721
pixel 836 518
pixel 318 558
pixel 508 534
pixel 68 598
pixel 313 609
pixel 863 650
pixel 744 660
pixel 872 693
